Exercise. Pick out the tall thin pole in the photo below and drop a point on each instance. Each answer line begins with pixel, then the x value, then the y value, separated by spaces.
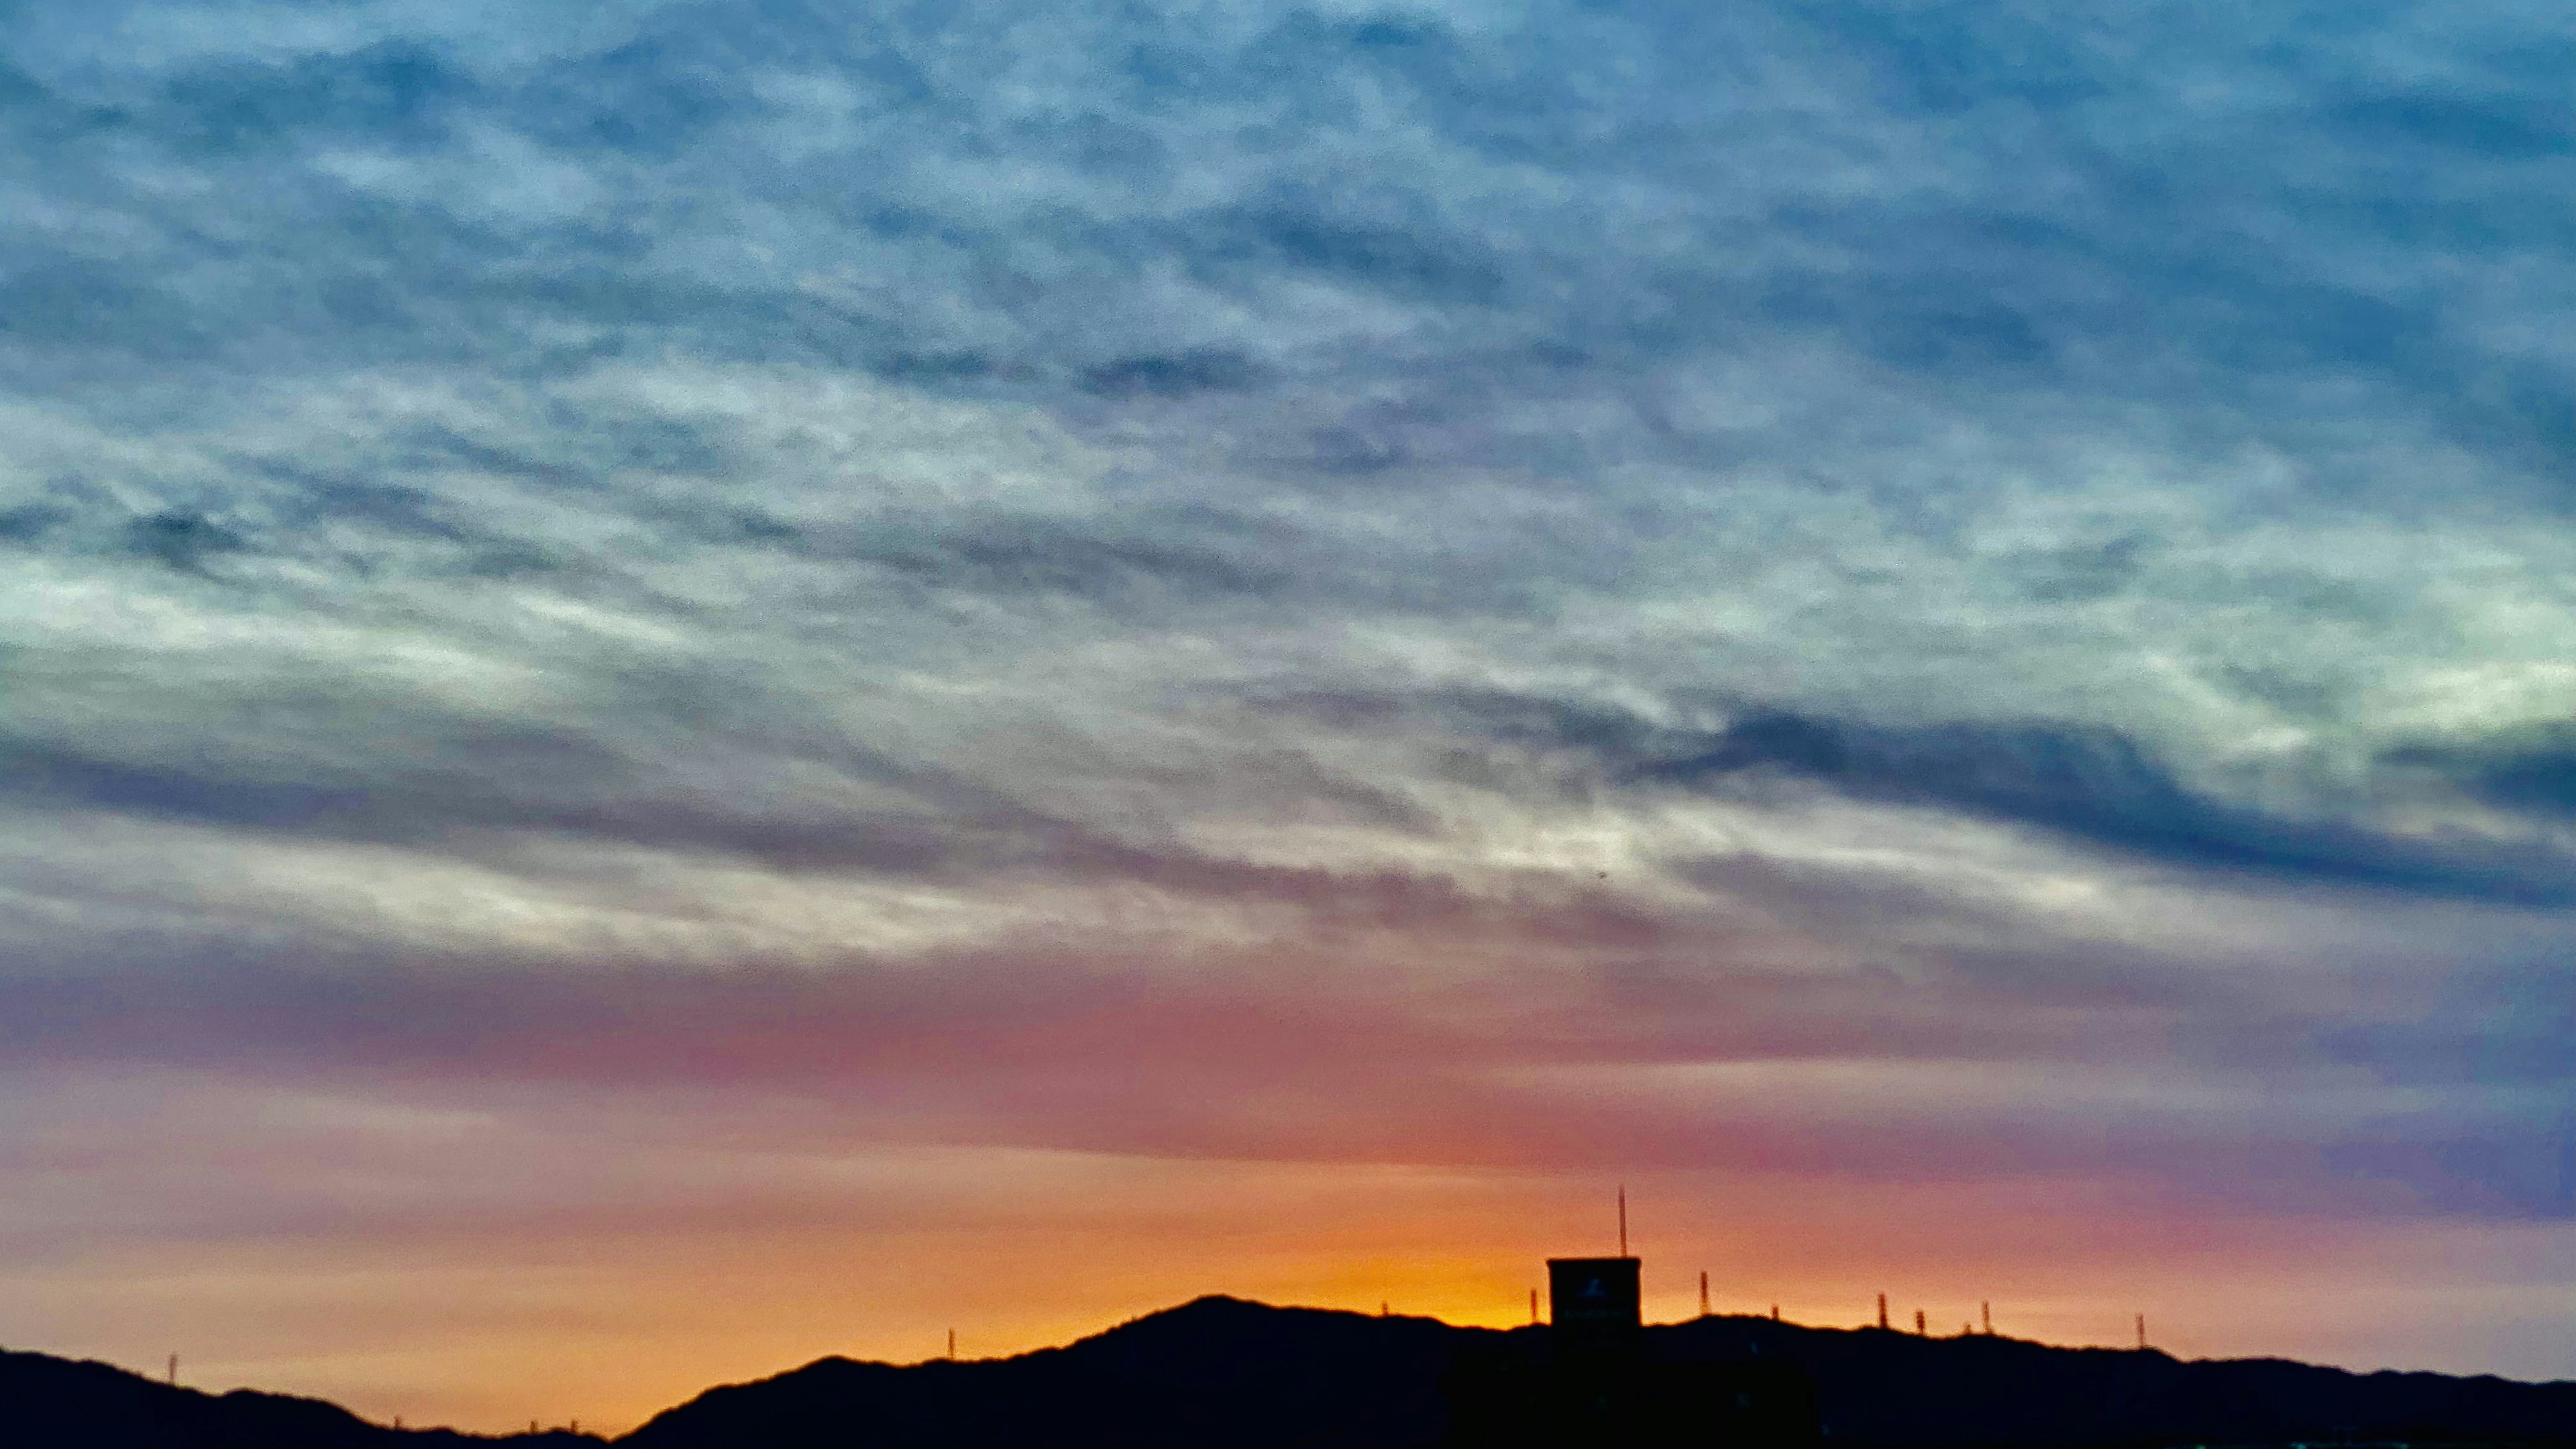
pixel 1533 1306
pixel 1882 1310
pixel 1623 1220
pixel 1703 1293
pixel 1986 1311
pixel 174 1370
pixel 952 1343
pixel 2142 1330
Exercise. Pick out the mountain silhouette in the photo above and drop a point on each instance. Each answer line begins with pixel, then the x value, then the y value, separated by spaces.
pixel 59 1403
pixel 1222 1373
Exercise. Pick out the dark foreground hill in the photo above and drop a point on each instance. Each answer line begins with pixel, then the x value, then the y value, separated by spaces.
pixel 1220 1372
pixel 60 1403
pixel 1224 1374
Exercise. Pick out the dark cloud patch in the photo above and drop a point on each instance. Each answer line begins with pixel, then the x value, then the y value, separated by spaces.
pixel 2090 571
pixel 1212 556
pixel 71 300
pixel 2531 769
pixel 1206 369
pixel 2446 120
pixel 647 99
pixel 1393 246
pixel 432 444
pixel 183 540
pixel 491 787
pixel 2101 786
pixel 68 778
pixel 390 507
pixel 2096 784
pixel 331 803
pixel 30 522
pixel 473 790
pixel 395 93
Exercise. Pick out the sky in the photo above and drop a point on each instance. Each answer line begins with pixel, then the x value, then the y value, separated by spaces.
pixel 686 685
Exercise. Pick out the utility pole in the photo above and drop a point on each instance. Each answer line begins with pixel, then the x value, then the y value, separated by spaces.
pixel 1986 1311
pixel 2142 1330
pixel 952 1345
pixel 1533 1308
pixel 1882 1310
pixel 174 1371
pixel 1623 1220
pixel 1703 1293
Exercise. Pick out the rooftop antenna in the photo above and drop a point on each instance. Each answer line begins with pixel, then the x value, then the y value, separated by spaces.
pixel 1623 1220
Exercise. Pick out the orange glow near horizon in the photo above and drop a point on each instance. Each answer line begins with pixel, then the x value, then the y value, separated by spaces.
pixel 609 1322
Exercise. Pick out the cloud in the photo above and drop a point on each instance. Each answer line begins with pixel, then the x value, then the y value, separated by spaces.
pixel 2098 785
pixel 2530 769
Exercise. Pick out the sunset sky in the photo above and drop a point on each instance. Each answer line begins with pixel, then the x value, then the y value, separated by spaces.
pixel 685 685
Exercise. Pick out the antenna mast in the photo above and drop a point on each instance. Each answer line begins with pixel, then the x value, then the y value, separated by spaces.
pixel 1623 1220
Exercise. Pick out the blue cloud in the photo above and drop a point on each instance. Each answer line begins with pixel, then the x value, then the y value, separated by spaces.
pixel 2528 769
pixel 2100 786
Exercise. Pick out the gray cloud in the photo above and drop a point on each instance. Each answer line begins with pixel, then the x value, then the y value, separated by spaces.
pixel 2532 768
pixel 2098 785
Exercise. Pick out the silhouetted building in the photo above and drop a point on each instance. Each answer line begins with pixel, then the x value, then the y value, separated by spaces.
pixel 1591 1380
pixel 1593 1305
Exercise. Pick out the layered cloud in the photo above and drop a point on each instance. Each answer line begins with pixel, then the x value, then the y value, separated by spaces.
pixel 1842 595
